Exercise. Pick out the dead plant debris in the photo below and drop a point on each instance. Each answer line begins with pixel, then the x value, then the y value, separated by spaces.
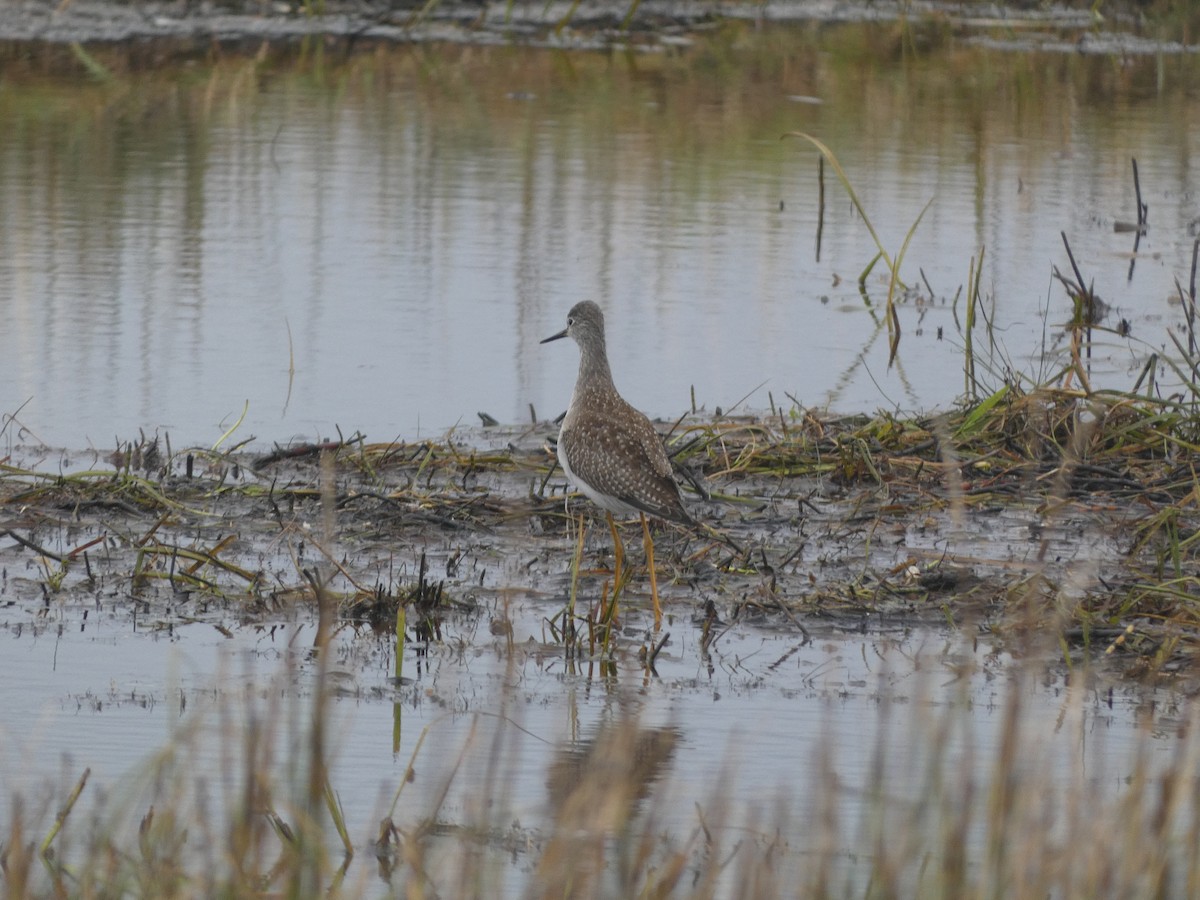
pixel 1053 511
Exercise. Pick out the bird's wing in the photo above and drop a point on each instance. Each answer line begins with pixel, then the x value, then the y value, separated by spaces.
pixel 625 462
pixel 652 447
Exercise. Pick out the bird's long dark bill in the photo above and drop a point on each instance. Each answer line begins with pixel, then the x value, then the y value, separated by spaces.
pixel 554 337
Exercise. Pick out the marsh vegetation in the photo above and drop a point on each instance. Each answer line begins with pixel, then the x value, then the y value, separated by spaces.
pixel 946 653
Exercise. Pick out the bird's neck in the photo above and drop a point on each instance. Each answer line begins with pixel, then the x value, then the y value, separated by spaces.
pixel 594 373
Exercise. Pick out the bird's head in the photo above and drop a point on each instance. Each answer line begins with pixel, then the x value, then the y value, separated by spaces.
pixel 585 323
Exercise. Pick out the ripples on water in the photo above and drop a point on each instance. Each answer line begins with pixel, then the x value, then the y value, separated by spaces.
pixel 828 741
pixel 378 241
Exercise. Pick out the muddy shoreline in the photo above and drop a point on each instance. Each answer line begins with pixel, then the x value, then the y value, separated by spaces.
pixel 816 526
pixel 588 25
pixel 1063 515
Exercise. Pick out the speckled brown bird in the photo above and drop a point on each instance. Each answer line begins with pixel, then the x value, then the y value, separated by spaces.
pixel 608 449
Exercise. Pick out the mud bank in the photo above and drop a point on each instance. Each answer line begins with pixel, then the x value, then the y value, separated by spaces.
pixel 587 25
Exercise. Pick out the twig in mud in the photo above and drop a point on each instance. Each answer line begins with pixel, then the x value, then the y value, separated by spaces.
pixel 201 558
pixel 336 564
pixel 145 538
pixel 301 450
pixel 804 631
pixel 541 492
pixel 408 513
pixel 28 544
pixel 724 539
pixel 83 548
pixel 649 657
pixel 928 286
pixel 708 635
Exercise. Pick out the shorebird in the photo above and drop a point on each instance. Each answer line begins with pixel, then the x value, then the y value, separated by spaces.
pixel 609 450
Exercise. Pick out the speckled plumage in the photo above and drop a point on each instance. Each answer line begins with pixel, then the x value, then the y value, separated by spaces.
pixel 608 449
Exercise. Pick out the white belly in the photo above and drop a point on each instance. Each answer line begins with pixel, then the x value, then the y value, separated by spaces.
pixel 604 501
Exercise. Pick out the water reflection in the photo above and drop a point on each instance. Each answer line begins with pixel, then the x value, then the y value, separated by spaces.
pixel 376 241
pixel 832 752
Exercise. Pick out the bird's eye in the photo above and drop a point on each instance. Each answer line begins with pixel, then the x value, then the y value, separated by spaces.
pixel 570 321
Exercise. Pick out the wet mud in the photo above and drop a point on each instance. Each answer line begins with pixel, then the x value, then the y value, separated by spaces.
pixel 174 27
pixel 811 526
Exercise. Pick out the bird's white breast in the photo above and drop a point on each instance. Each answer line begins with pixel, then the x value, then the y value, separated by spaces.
pixel 604 501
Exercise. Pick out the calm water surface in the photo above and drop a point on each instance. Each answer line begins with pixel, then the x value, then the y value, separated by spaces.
pixel 377 241
pixel 776 727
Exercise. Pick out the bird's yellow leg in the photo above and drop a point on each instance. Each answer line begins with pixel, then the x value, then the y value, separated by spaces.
pixel 618 547
pixel 569 614
pixel 618 565
pixel 648 543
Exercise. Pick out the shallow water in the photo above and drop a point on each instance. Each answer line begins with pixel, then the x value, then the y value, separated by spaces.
pixel 377 241
pixel 768 723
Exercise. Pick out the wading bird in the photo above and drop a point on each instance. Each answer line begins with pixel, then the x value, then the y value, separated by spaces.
pixel 608 449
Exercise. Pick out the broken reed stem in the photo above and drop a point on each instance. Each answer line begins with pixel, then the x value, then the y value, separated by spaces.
pixel 398 678
pixel 820 202
pixel 977 294
pixel 1192 282
pixel 401 626
pixel 326 605
pixel 30 545
pixel 971 385
pixel 1189 314
pixel 1085 317
pixel 1142 209
pixel 1083 291
pixel 61 818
